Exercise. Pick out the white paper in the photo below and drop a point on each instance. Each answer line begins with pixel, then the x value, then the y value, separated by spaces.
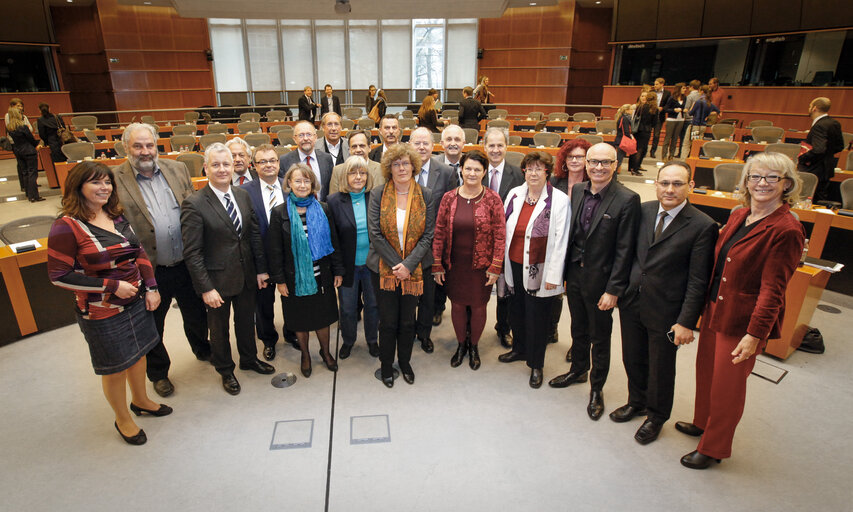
pixel 15 247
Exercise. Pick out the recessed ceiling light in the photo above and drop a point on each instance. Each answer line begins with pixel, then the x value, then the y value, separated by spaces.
pixel 596 3
pixel 147 3
pixel 70 1
pixel 532 3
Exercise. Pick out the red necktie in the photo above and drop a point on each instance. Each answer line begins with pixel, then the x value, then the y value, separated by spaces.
pixel 308 160
pixel 242 179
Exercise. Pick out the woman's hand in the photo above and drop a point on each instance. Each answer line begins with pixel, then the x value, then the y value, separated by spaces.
pixel 491 278
pixel 549 286
pixel 744 350
pixel 400 271
pixel 282 289
pixel 439 277
pixel 338 281
pixel 152 300
pixel 125 290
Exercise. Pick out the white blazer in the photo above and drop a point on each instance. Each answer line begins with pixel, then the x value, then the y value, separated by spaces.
pixel 558 237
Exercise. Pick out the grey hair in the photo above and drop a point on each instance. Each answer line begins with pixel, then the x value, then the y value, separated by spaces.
pixel 216 147
pixel 452 127
pixel 502 131
pixel 132 127
pixel 238 140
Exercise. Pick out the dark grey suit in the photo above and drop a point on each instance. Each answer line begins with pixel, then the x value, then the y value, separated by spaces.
pixel 174 280
pixel 668 283
pixel 602 265
pixel 220 259
pixel 324 161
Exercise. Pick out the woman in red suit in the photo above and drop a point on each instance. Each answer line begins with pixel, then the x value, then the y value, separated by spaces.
pixel 757 253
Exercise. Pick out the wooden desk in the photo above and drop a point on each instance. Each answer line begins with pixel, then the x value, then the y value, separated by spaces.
pixel 801 298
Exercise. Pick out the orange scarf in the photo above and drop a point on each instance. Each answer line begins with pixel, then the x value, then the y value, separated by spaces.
pixel 413 230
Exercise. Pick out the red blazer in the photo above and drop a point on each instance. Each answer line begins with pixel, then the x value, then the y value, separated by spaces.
pixel 489 232
pixel 751 298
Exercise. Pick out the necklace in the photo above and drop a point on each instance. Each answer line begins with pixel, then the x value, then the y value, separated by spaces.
pixel 403 193
pixel 530 200
pixel 476 197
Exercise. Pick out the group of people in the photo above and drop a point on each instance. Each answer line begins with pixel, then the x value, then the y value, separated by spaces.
pixel 25 146
pixel 342 231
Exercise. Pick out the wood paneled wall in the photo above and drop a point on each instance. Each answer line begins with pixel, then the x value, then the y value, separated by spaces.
pixel 533 55
pixel 135 58
pixel 785 106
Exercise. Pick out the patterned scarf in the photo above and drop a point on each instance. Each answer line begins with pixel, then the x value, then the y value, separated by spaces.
pixel 308 245
pixel 538 242
pixel 412 232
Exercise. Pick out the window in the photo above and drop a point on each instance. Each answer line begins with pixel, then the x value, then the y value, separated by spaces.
pixel 331 58
pixel 461 53
pixel 363 53
pixel 298 54
pixel 428 53
pixel 396 54
pixel 229 61
pixel 263 55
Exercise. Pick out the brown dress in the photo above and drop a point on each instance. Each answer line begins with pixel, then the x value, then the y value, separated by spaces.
pixel 465 285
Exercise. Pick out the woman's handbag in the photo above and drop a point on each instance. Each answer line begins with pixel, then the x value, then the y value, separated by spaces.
pixel 628 144
pixel 374 113
pixel 65 135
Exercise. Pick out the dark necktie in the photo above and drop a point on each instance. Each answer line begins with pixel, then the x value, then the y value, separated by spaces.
pixel 659 227
pixel 456 173
pixel 232 212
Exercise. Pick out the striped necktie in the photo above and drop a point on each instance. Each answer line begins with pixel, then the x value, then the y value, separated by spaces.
pixel 273 202
pixel 232 212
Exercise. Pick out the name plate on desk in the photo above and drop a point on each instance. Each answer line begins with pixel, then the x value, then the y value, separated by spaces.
pixel 21 247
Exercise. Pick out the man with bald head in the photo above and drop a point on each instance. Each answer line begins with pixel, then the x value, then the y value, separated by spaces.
pixel 825 139
pixel 439 179
pixel 605 216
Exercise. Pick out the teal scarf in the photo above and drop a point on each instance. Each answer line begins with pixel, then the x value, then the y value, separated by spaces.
pixel 308 245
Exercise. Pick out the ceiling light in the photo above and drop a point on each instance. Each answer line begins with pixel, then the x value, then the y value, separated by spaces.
pixel 532 3
pixel 598 2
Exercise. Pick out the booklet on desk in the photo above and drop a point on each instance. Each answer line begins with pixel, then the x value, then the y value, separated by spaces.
pixel 829 266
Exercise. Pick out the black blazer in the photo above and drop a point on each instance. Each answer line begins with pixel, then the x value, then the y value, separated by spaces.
pixel 646 122
pixel 430 120
pixel 340 205
pixel 376 153
pixel 669 278
pixel 24 142
pixel 671 105
pixel 306 108
pixel 826 140
pixel 623 129
pixel 324 161
pixel 511 178
pixel 664 99
pixel 216 256
pixel 282 267
pixel 441 179
pixel 610 243
pixel 336 106
pixel 471 112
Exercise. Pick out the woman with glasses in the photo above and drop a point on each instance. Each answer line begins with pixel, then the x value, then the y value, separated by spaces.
pixel 537 235
pixel 469 251
pixel 349 209
pixel 400 224
pixel 756 254
pixel 305 262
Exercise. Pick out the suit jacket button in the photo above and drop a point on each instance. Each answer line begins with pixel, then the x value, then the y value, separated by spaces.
pixel 728 259
pixel 720 297
pixel 724 279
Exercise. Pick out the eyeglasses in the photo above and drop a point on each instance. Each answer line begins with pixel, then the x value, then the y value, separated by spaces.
pixel 306 135
pixel 262 163
pixel 603 163
pixel 756 178
pixel 575 158
pixel 535 170
pixel 667 184
pixel 301 182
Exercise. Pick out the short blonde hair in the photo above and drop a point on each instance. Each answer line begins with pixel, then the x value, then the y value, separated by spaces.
pixel 306 172
pixel 396 152
pixel 776 162
pixel 351 163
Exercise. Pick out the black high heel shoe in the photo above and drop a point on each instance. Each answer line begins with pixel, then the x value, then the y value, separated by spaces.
pixel 136 440
pixel 333 365
pixel 164 410
pixel 306 370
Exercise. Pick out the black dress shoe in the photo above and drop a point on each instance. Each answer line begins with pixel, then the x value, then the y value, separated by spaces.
pixel 373 349
pixel 436 318
pixel 459 356
pixel 626 413
pixel 408 375
pixel 229 382
pixel 329 361
pixel 164 410
pixel 567 379
pixel 388 381
pixel 258 366
pixel 648 432
pixel 138 439
pixel 474 357
pixel 290 337
pixel 427 345
pixel 505 339
pixel 695 460
pixel 344 351
pixel 37 199
pixel 536 378
pixel 269 353
pixel 688 428
pixel 596 405
pixel 164 387
pixel 511 357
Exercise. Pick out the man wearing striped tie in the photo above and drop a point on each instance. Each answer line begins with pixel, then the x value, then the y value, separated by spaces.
pixel 266 193
pixel 224 254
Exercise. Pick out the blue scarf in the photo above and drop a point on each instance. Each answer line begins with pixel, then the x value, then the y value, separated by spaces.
pixel 310 246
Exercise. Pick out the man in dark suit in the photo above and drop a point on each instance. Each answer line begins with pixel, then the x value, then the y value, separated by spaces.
pixel 320 162
pixel 225 257
pixel 389 132
pixel 331 142
pixel 605 216
pixel 471 111
pixel 267 192
pixel 662 97
pixel 826 140
pixel 439 179
pixel 241 152
pixel 666 292
pixel 307 107
pixel 330 102
pixel 501 177
pixel 151 192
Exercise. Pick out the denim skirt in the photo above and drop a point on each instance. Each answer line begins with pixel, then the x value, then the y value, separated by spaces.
pixel 118 342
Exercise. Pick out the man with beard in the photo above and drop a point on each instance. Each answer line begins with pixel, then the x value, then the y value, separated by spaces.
pixel 151 192
pixel 359 145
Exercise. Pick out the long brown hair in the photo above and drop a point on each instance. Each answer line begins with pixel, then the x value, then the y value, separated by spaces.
pixel 73 202
pixel 16 119
pixel 427 105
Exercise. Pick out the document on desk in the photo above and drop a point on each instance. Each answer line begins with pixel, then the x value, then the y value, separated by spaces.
pixel 830 266
pixel 29 245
